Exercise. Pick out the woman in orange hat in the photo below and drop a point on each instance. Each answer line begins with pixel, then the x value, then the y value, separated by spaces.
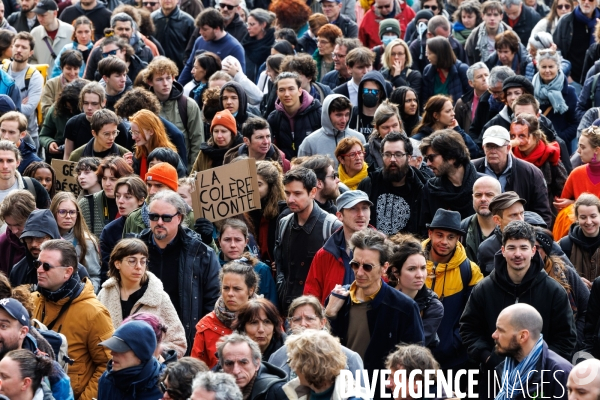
pixel 224 136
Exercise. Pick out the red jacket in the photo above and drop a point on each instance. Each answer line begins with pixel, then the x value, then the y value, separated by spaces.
pixel 327 268
pixel 208 332
pixel 368 32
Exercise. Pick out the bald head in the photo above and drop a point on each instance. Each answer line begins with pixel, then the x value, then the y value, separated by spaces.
pixel 484 190
pixel 522 316
pixel 584 381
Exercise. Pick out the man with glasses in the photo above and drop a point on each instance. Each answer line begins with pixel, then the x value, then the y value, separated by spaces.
pixel 574 34
pixel 234 24
pixel 331 265
pixel 300 234
pixel 335 119
pixel 67 304
pixel 480 44
pixel 369 316
pixel 340 73
pixel 521 18
pixel 395 190
pixel 52 34
pixel 95 10
pixel 40 227
pixel 332 9
pixel 174 27
pixel 188 269
pixel 368 31
pixel 104 131
pixel 151 5
pixel 451 275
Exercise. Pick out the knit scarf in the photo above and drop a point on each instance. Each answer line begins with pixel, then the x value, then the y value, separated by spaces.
pixel 589 22
pixel 70 289
pixel 540 154
pixel 514 374
pixel 226 316
pixel 144 213
pixel 482 41
pixel 551 92
pixel 352 182
pixel 247 390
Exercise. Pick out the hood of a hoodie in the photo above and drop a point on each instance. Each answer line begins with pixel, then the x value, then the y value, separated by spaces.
pixel 26 148
pixel 326 124
pixel 458 257
pixel 500 275
pixel 242 113
pixel 577 237
pixel 42 221
pixel 176 91
pixel 376 77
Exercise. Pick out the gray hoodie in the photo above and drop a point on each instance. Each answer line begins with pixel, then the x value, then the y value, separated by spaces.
pixel 326 139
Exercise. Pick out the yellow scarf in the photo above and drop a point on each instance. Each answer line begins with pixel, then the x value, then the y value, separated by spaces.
pixel 353 182
pixel 366 4
pixel 355 300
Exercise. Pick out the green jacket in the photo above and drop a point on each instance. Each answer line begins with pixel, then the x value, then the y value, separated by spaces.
pixel 77 154
pixel 53 129
pixel 92 210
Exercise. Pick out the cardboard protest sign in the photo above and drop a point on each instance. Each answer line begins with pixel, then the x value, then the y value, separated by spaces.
pixel 66 179
pixel 226 191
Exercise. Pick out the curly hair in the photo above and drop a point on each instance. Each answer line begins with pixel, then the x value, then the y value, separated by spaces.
pixel 301 64
pixel 410 358
pixel 135 100
pixel 291 13
pixel 317 355
pixel 160 66
pixel 67 104
pixel 181 374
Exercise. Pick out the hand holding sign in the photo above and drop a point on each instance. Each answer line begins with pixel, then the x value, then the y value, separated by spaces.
pixel 66 178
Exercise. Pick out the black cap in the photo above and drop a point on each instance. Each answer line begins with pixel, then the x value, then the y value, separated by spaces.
pixel 517 81
pixel 43 6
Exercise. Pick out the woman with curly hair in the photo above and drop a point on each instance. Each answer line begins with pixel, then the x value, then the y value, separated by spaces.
pixel 291 14
pixel 316 357
pixel 176 380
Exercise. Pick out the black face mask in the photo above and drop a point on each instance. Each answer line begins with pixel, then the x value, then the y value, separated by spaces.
pixel 370 100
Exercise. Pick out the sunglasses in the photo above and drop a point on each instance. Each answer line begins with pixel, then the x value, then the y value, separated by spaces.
pixel 227 6
pixel 563 7
pixel 430 157
pixel 110 53
pixel 47 267
pixel 165 217
pixel 432 8
pixel 355 265
pixel 373 91
pixel 165 389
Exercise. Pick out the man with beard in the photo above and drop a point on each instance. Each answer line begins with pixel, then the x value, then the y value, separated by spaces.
pixel 187 267
pixel 331 265
pixel 299 234
pixel 24 20
pixel 530 367
pixel 480 225
pixel 327 182
pixel 452 188
pixel 39 228
pixel 518 277
pixel 16 334
pixel 451 275
pixel 395 190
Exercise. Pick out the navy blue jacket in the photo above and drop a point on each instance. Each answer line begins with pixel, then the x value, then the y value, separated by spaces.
pixel 393 318
pixel 28 155
pixel 333 79
pixel 458 83
pixel 143 386
pixel 584 102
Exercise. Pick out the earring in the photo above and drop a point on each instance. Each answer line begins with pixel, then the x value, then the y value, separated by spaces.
pixel 594 158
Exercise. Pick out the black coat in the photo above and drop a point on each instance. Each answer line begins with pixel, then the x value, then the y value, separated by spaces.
pixel 348 27
pixel 591 331
pixel 198 269
pixel 414 79
pixel 528 181
pixel 496 292
pixel 527 21
pixel 173 32
pixel 18 20
pixel 257 52
pixel 99 15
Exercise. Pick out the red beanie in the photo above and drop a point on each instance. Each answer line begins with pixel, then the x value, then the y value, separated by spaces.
pixel 226 119
pixel 164 173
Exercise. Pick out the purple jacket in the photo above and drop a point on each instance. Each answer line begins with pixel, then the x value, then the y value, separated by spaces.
pixel 12 250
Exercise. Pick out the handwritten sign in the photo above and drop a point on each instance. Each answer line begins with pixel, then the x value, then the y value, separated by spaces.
pixel 66 179
pixel 226 191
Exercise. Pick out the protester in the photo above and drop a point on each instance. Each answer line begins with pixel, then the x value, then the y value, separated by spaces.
pixel 14 211
pixel 27 370
pixel 352 168
pixel 176 379
pixel 259 319
pixel 83 41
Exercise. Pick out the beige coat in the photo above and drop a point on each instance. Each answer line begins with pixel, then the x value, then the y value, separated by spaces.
pixel 52 89
pixel 155 301
pixel 41 52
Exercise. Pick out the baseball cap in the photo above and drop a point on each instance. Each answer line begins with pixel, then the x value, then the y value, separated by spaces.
pixel 15 309
pixel 43 6
pixel 136 336
pixel 496 134
pixel 351 198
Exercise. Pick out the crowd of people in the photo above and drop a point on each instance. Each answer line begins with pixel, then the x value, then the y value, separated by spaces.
pixel 428 174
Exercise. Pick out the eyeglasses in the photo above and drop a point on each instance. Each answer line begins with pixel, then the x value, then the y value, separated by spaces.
pixel 373 91
pixel 355 154
pixel 307 318
pixel 338 55
pixel 355 265
pixel 132 261
pixel 430 157
pixel 563 6
pixel 47 267
pixel 165 389
pixel 520 121
pixel 110 53
pixel 432 8
pixel 227 6
pixel 110 134
pixel 70 213
pixel 165 217
pixel 398 155
pixel 398 55
pixel 334 176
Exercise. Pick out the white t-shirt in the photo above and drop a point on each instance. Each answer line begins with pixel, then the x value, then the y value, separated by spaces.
pixel 4 193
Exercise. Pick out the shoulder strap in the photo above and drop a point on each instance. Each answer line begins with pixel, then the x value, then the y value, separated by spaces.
pixel 64 308
pixel 593 91
pixel 52 53
pixel 182 105
pixel 29 186
pixel 90 200
pixel 28 76
pixel 408 71
pixel 5 65
pixel 466 274
pixel 328 226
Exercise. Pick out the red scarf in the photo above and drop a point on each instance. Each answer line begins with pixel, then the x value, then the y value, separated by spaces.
pixel 143 167
pixel 442 76
pixel 542 153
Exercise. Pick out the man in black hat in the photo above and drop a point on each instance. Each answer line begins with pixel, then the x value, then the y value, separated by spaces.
pixel 52 34
pixel 451 275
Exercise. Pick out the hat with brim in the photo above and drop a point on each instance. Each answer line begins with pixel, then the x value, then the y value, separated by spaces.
pixel 505 200
pixel 446 220
pixel 351 198
pixel 43 6
pixel 116 344
pixel 36 234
